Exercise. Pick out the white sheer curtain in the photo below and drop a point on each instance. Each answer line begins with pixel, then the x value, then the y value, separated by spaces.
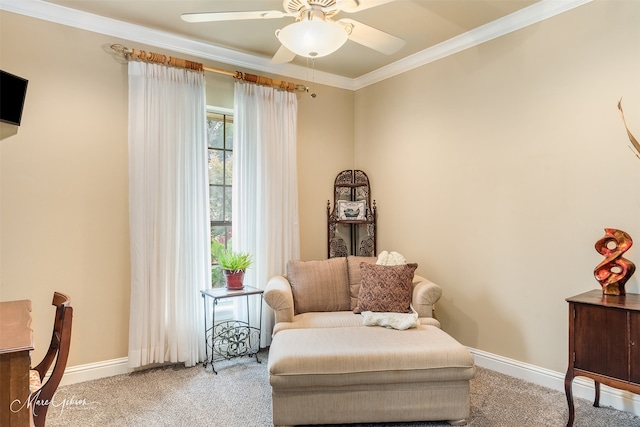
pixel 265 189
pixel 168 214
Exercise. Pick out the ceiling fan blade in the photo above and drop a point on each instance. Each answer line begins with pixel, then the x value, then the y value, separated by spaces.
pixel 352 6
pixel 233 16
pixel 283 55
pixel 373 38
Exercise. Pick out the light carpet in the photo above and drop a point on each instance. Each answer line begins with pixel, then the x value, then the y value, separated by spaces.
pixel 240 395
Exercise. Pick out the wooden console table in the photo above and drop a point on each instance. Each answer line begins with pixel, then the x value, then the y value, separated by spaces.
pixel 604 343
pixel 16 341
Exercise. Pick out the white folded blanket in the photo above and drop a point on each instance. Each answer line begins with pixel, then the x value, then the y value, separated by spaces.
pixel 399 321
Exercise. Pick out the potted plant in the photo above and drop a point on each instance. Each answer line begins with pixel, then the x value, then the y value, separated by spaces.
pixel 233 265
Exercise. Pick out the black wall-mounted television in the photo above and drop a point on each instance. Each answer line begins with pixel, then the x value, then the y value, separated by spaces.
pixel 13 90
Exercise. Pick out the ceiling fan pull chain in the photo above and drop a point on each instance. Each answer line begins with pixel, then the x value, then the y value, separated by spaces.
pixel 312 80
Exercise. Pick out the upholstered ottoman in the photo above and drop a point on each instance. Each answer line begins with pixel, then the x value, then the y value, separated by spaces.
pixel 368 374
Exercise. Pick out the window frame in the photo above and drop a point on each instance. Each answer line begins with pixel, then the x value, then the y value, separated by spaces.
pixel 226 186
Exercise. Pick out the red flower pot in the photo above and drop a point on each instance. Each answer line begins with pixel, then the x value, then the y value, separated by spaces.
pixel 234 280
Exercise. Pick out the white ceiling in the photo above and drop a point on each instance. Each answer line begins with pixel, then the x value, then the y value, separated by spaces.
pixel 431 29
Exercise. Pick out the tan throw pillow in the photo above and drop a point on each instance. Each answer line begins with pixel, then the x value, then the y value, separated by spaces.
pixel 319 285
pixel 386 288
pixel 354 276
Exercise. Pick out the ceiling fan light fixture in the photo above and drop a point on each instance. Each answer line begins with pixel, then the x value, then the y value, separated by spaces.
pixel 313 39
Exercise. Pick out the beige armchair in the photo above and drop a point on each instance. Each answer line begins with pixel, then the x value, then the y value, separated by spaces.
pixel 324 294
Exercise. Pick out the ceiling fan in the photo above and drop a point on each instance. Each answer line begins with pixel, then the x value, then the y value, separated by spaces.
pixel 314 33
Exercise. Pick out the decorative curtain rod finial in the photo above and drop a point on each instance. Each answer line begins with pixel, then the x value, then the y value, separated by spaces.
pixel 121 50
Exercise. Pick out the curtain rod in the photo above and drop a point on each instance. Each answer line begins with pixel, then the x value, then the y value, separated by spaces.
pixel 159 58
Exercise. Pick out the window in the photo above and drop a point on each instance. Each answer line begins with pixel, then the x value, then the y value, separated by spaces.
pixel 220 147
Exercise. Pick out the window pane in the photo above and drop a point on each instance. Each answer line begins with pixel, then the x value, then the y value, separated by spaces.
pixel 229 134
pixel 229 238
pixel 217 277
pixel 215 133
pixel 228 170
pixel 216 194
pixel 219 235
pixel 227 204
pixel 216 167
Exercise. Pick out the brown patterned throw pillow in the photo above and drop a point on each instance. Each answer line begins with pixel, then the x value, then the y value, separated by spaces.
pixel 385 288
pixel 353 263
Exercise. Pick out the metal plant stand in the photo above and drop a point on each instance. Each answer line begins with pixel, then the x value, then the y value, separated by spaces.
pixel 232 338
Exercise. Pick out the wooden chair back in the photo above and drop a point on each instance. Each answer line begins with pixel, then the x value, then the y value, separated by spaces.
pixel 58 352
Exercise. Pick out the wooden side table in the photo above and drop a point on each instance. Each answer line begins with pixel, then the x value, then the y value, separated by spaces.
pixel 604 335
pixel 235 338
pixel 16 342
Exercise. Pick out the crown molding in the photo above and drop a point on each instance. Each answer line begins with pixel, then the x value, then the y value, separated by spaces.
pixel 39 9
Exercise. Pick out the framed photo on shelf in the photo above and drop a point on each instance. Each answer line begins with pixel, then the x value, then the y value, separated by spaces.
pixel 352 211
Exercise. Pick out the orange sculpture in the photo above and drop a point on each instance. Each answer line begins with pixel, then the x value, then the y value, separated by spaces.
pixel 614 271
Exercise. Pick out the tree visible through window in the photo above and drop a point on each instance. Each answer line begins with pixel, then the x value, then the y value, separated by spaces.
pixel 220 147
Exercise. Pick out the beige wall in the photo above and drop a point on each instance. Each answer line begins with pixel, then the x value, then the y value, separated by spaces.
pixel 497 169
pixel 64 188
pixel 325 147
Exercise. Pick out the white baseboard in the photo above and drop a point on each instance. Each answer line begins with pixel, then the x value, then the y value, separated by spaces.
pixel 582 387
pixel 94 371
